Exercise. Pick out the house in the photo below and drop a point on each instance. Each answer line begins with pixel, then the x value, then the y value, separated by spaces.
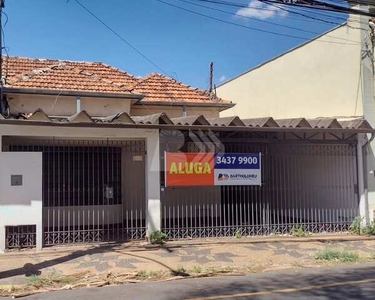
pixel 330 76
pixel 54 85
pixel 90 153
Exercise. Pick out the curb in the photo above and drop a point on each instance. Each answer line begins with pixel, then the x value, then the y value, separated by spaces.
pixel 181 244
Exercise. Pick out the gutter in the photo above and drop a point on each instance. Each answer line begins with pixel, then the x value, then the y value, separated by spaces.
pixel 185 103
pixel 51 92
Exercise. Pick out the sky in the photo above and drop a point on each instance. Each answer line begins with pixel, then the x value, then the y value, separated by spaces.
pixel 181 43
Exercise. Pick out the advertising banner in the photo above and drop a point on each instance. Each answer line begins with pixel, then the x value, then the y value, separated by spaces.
pixel 205 169
pixel 237 169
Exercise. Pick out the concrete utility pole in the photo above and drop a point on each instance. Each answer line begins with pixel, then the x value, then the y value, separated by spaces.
pixel 2 106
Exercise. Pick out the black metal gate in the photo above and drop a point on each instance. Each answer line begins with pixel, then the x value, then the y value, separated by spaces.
pixel 93 191
pixel 305 185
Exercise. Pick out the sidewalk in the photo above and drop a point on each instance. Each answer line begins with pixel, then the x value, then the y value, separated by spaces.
pixel 242 255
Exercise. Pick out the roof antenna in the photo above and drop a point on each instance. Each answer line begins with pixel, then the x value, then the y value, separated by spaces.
pixel 211 76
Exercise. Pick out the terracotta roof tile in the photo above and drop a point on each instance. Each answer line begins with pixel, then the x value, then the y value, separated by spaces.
pixel 22 72
pixel 62 74
pixel 157 87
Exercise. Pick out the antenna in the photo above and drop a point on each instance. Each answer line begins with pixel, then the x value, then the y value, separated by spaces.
pixel 211 76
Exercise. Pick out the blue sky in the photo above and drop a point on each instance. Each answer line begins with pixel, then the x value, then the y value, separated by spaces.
pixel 181 43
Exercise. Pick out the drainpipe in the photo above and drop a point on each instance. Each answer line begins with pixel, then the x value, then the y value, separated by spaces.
pixel 78 104
pixel 364 209
pixel 184 111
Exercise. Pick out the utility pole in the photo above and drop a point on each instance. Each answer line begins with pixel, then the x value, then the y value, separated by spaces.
pixel 2 105
pixel 211 77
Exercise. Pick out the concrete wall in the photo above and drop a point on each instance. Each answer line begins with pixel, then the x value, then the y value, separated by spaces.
pixel 21 205
pixel 322 78
pixel 66 106
pixel 175 111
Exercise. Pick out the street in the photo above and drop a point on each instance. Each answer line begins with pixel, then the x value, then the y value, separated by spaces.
pixel 340 282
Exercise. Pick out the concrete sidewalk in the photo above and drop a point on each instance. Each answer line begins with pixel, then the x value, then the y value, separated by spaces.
pixel 239 255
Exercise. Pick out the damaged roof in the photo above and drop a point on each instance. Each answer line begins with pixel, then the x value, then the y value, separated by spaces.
pixel 22 73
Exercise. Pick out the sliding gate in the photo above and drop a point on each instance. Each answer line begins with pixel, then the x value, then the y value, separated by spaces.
pixel 93 191
pixel 309 186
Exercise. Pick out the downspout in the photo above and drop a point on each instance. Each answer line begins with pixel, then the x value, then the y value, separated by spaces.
pixel 363 180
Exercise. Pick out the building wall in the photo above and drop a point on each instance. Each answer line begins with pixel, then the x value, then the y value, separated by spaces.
pixel 322 78
pixel 67 106
pixel 174 111
pixel 21 205
pixel 152 193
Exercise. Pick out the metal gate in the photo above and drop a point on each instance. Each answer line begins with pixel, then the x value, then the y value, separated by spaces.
pixel 93 191
pixel 309 186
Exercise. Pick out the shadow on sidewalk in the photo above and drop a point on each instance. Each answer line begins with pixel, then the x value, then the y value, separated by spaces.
pixel 30 269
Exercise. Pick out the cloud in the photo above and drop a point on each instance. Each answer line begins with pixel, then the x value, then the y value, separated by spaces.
pixel 260 10
pixel 223 78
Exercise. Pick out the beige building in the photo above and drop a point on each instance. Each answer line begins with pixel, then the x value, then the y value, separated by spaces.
pixel 331 75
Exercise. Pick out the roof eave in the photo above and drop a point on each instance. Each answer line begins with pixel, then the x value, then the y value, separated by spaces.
pixel 188 127
pixel 51 92
pixel 185 103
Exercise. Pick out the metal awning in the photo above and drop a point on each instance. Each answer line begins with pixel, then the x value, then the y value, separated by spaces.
pixel 199 122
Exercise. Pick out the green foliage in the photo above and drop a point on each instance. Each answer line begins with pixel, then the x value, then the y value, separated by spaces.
pixel 343 256
pixel 369 230
pixel 197 269
pixel 347 256
pixel 157 237
pixel 299 231
pixel 180 271
pixel 141 274
pixel 355 227
pixel 35 279
pixel 238 234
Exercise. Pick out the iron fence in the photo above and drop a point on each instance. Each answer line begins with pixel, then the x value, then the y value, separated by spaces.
pixel 308 186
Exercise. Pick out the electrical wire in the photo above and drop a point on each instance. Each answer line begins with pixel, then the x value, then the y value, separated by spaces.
pixel 121 38
pixel 263 21
pixel 239 5
pixel 248 27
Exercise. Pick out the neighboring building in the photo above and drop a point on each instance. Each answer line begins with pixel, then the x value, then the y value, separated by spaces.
pixel 82 160
pixel 329 76
pixel 54 85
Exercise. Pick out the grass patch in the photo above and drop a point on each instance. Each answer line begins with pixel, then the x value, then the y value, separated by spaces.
pixel 335 255
pixel 299 231
pixel 180 271
pixel 197 270
pixel 142 274
pixel 52 279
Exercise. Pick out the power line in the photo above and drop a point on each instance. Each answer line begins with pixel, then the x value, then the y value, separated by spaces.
pixel 262 21
pixel 232 4
pixel 248 27
pixel 120 37
pixel 277 5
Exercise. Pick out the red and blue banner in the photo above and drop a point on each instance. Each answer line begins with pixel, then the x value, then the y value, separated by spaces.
pixel 205 169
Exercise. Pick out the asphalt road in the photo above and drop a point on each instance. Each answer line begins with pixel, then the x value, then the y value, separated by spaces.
pixel 341 282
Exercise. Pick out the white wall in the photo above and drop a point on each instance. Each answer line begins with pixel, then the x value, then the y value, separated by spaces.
pixel 175 111
pixel 21 205
pixel 66 106
pixel 152 158
pixel 322 78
